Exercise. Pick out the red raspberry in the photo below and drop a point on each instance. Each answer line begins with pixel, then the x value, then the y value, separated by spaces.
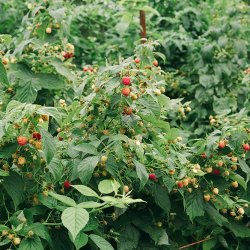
pixel 246 147
pixel 37 136
pixel 67 184
pixel 137 60
pixel 152 176
pixel 126 80
pixel 216 172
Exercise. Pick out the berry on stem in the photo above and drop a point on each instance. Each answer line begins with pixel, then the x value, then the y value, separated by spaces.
pixel 37 136
pixel 21 140
pixel 125 91
pixel 246 147
pixel 67 184
pixel 222 144
pixel 137 60
pixel 152 176
pixel 126 80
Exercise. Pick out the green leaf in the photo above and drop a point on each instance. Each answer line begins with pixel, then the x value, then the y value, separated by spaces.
pixel 129 238
pixel 47 201
pixel 57 14
pixel 75 219
pixel 5 242
pixel 49 145
pixel 5 39
pixel 15 186
pixel 84 190
pixel 64 199
pixel 239 229
pixel 90 204
pixel 108 186
pixel 194 204
pixel 3 227
pixel 209 244
pixel 3 75
pixel 161 197
pixel 63 70
pixel 86 168
pixel 31 244
pixel 141 173
pixel 4 173
pixel 101 242
pixel 39 230
pixel 80 241
pixel 26 93
pixel 124 23
pixel 53 112
pixel 49 81
pixel 215 215
pixel 86 148
pixel 245 168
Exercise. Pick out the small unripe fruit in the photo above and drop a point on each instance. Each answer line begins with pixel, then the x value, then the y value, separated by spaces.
pixel 207 197
pixel 185 182
pixel 234 184
pixel 105 132
pixel 21 140
pixel 126 80
pixel 226 173
pixel 157 91
pixel 126 189
pixel 38 145
pixel 5 60
pixel 215 191
pixel 134 96
pixel 21 160
pixel 224 210
pixel 159 224
pixel 241 211
pixel 212 121
pixel 234 159
pixel 16 241
pixel 30 234
pixel 162 89
pixel 209 170
pixel 188 109
pixel 128 110
pixel 125 91
pixel 48 30
pixel 4 233
pixel 104 173
pixel 104 158
pixel 171 171
pixel 220 163
pixel 204 155
pixel 11 236
pixel 232 213
pixel 234 168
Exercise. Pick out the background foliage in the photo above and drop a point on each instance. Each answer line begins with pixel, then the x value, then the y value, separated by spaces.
pixel 107 143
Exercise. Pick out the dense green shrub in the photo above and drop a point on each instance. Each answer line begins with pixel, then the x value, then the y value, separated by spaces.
pixel 100 148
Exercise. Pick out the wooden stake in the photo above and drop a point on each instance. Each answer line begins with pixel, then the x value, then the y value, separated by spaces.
pixel 143 25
